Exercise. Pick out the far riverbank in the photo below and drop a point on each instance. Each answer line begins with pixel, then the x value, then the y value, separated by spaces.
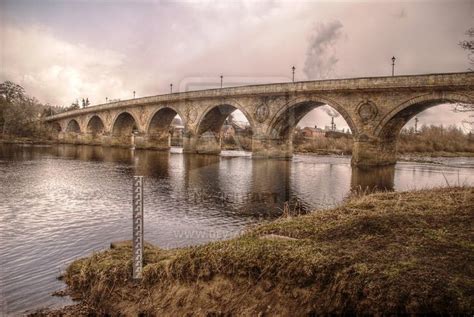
pixel 414 156
pixel 27 141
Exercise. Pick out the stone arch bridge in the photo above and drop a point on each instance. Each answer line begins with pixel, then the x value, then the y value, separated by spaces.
pixel 374 108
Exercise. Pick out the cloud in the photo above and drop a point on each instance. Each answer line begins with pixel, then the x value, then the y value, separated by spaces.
pixel 441 115
pixel 319 117
pixel 321 55
pixel 146 45
pixel 55 71
pixel 330 111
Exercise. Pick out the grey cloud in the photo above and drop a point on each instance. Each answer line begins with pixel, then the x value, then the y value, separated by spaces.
pixel 330 111
pixel 320 56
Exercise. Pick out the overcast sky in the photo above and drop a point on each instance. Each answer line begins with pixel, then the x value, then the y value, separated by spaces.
pixel 63 50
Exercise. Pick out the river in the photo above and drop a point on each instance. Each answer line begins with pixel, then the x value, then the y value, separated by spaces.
pixel 60 203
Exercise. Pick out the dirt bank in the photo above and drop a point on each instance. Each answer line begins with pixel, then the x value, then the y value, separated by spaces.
pixel 390 253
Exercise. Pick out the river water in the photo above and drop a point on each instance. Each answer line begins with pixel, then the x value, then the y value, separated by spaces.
pixel 60 203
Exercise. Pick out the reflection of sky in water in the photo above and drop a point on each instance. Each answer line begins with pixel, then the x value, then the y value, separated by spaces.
pixel 421 175
pixel 60 203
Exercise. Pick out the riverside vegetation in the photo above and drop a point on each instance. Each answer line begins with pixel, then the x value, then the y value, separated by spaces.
pixel 429 141
pixel 21 115
pixel 384 253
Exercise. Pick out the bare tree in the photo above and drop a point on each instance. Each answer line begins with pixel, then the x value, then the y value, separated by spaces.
pixel 468 108
pixel 19 113
pixel 10 94
pixel 469 45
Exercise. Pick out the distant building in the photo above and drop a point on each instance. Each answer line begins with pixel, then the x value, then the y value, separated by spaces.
pixel 227 131
pixel 177 131
pixel 177 121
pixel 328 132
pixel 312 133
pixel 337 134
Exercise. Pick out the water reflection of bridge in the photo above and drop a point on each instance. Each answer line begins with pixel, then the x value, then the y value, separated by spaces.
pixel 256 188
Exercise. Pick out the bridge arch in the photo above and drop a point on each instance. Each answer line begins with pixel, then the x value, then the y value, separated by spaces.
pixel 213 118
pixel 73 126
pixel 287 117
pixel 160 121
pixel 208 134
pixel 124 124
pixel 392 123
pixel 55 126
pixel 95 125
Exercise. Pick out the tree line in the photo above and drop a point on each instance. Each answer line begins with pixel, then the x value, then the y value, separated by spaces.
pixel 429 139
pixel 21 114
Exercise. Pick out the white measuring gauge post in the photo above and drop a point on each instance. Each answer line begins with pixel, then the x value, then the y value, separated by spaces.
pixel 137 239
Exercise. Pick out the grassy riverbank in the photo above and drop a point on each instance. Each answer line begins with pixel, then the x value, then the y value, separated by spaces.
pixel 388 253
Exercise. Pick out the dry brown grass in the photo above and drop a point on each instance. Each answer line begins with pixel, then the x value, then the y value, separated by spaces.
pixel 324 145
pixel 435 139
pixel 429 141
pixel 385 253
pixel 237 142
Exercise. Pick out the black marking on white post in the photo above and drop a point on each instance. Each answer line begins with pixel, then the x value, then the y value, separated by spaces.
pixel 137 241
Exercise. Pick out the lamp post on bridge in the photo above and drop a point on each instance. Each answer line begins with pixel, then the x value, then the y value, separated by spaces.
pixel 393 65
pixel 222 77
pixel 171 88
pixel 134 94
pixel 293 69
